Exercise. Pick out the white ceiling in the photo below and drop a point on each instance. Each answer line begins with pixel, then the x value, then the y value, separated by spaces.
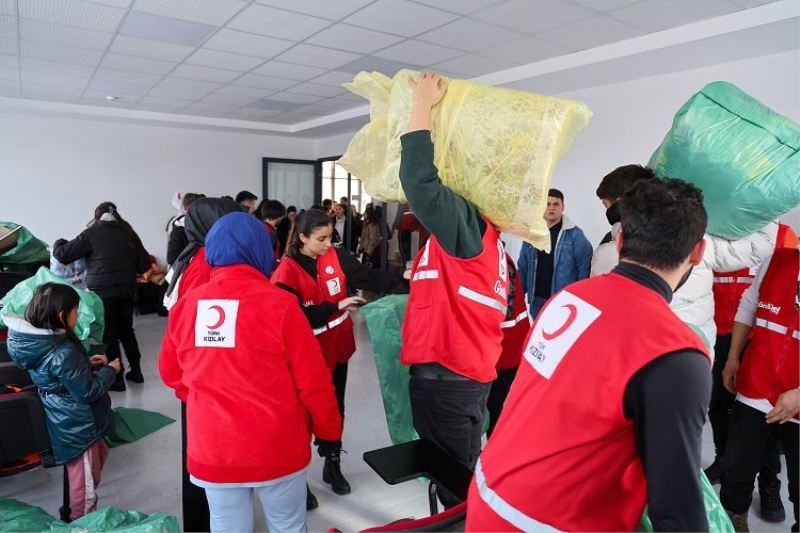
pixel 282 62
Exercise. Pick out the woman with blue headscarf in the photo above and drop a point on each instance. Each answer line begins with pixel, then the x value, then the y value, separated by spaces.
pixel 254 394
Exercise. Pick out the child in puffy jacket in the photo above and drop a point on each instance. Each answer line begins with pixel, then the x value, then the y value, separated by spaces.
pixel 72 386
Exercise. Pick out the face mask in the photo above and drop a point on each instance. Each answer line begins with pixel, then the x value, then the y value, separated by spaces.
pixel 684 279
pixel 612 213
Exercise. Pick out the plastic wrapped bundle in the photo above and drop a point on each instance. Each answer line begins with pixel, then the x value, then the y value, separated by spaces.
pixel 384 318
pixel 91 321
pixel 744 156
pixel 496 147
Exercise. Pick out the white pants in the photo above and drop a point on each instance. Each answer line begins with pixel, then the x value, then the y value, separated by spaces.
pixel 283 503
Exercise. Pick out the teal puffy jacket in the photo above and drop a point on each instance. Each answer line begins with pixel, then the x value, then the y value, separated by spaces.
pixel 75 397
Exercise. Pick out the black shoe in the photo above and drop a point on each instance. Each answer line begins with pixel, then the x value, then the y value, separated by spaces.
pixel 118 385
pixel 311 500
pixel 771 504
pixel 714 472
pixel 135 376
pixel 332 473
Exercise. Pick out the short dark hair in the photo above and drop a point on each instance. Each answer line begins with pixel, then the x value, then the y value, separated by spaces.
pixel 619 180
pixel 270 210
pixel 327 203
pixel 244 196
pixel 190 197
pixel 662 221
pixel 555 193
pixel 291 209
pixel 50 305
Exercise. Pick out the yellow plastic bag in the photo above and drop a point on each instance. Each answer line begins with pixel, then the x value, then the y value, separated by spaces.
pixel 496 147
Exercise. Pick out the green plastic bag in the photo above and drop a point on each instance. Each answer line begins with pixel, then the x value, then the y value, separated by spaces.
pixel 17 517
pixel 384 318
pixel 744 156
pixel 29 249
pixel 718 521
pixel 134 424
pixel 90 311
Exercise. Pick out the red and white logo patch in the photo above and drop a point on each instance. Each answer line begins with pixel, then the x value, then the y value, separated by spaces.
pixel 215 325
pixel 563 320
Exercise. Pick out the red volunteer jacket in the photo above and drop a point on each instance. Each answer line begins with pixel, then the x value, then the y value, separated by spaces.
pixel 515 327
pixel 455 309
pixel 771 362
pixel 336 338
pixel 196 273
pixel 564 455
pixel 729 286
pixel 255 388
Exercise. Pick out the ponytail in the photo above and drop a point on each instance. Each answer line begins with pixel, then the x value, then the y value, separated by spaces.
pixel 304 224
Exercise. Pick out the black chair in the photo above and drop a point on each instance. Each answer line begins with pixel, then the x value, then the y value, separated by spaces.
pixel 9 280
pixel 22 415
pixel 11 374
pixel 421 458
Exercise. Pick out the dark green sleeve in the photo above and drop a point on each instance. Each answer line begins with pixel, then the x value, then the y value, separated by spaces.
pixel 454 221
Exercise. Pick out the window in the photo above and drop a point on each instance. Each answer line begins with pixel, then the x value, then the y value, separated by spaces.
pixel 334 186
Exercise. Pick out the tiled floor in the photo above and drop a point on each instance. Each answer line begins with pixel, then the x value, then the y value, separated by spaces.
pixel 146 475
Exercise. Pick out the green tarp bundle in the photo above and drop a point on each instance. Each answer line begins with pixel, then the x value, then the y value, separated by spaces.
pixel 90 311
pixel 18 517
pixel 29 249
pixel 384 318
pixel 718 521
pixel 744 156
pixel 134 424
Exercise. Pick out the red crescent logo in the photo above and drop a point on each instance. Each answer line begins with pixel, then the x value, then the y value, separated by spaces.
pixel 221 312
pixel 573 314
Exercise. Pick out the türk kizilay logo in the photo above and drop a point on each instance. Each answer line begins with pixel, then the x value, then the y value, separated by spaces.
pixel 215 325
pixel 329 269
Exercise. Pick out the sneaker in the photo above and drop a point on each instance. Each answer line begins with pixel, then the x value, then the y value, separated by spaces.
pixel 135 376
pixel 771 504
pixel 739 522
pixel 714 472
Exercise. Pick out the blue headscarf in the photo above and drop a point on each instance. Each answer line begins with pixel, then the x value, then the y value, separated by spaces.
pixel 240 239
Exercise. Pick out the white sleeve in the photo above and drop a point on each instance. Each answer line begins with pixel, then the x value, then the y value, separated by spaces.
pixel 724 256
pixel 746 314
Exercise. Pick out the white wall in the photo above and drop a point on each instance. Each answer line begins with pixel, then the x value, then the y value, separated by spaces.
pixel 631 118
pixel 54 171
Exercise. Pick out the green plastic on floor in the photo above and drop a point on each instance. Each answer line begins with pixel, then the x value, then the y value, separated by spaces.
pixel 18 517
pixel 718 521
pixel 134 424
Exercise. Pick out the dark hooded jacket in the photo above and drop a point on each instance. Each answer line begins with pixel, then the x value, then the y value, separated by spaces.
pixel 75 397
pixel 200 216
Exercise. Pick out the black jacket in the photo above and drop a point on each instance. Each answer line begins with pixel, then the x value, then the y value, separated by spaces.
pixel 177 240
pixel 112 262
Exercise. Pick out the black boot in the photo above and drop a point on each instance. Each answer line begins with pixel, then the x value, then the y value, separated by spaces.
pixel 332 473
pixel 119 384
pixel 772 509
pixel 311 500
pixel 135 374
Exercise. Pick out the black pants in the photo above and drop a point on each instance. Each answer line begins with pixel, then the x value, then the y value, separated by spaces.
pixel 118 314
pixel 196 516
pixel 497 396
pixel 450 414
pixel 719 414
pixel 749 441
pixel 405 244
pixel 340 385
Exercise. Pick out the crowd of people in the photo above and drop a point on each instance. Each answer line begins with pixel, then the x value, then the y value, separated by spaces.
pixel 598 367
